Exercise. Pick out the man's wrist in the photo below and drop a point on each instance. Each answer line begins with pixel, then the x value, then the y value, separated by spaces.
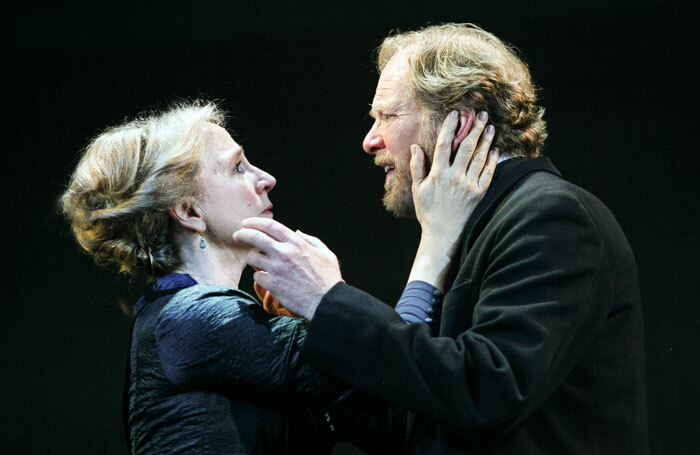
pixel 309 310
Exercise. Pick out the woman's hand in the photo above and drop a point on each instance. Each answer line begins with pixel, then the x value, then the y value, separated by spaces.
pixel 446 197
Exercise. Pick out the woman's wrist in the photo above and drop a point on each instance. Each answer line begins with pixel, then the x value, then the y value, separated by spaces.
pixel 432 263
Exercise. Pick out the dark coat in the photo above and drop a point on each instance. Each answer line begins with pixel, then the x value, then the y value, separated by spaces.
pixel 212 373
pixel 540 340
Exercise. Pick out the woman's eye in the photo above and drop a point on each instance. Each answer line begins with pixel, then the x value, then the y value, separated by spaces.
pixel 239 167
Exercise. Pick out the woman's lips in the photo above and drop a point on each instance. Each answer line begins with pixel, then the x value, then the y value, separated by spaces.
pixel 268 209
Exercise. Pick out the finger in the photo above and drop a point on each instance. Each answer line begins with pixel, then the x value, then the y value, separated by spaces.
pixel 417 164
pixel 468 145
pixel 443 149
pixel 259 261
pixel 257 239
pixel 263 279
pixel 476 166
pixel 313 241
pixel 489 169
pixel 274 229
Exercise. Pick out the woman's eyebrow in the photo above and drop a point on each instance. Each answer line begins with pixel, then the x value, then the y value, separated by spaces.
pixel 230 162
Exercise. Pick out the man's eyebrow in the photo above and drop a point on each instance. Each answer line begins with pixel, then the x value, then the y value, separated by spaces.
pixel 372 111
pixel 381 108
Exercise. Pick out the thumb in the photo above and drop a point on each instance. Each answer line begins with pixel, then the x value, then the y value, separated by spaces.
pixel 417 164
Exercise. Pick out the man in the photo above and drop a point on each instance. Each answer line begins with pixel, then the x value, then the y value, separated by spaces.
pixel 539 345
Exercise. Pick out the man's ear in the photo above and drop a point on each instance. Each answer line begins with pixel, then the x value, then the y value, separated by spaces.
pixel 188 215
pixel 466 119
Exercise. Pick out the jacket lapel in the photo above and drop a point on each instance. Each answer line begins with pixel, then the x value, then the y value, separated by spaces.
pixel 507 174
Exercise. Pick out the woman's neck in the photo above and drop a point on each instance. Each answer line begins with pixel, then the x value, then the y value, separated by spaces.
pixel 213 264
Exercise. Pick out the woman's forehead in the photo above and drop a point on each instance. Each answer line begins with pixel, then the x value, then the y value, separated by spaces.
pixel 219 145
pixel 218 137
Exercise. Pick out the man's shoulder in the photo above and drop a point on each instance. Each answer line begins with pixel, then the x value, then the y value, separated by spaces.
pixel 545 181
pixel 543 198
pixel 540 190
pixel 531 183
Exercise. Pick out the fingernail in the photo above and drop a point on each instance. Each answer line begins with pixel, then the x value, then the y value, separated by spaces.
pixel 483 115
pixel 453 115
pixel 490 129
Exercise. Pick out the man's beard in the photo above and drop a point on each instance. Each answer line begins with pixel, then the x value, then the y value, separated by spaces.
pixel 398 198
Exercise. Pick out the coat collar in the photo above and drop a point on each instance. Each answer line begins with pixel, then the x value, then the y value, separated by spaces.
pixel 507 174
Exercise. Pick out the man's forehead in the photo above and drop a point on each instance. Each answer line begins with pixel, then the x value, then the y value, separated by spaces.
pixel 392 87
pixel 391 101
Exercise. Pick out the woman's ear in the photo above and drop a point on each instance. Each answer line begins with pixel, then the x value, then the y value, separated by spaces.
pixel 466 119
pixel 188 215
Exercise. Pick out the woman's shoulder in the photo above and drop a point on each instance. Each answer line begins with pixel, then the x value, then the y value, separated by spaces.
pixel 204 292
pixel 206 301
pixel 204 321
pixel 207 307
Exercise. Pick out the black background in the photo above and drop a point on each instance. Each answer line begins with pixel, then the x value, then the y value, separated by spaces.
pixel 618 81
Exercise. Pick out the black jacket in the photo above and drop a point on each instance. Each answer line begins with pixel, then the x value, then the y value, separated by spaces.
pixel 539 347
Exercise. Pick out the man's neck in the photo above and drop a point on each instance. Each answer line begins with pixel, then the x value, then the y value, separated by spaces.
pixel 503 158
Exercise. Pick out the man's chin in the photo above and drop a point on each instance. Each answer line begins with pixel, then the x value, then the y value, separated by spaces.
pixel 401 206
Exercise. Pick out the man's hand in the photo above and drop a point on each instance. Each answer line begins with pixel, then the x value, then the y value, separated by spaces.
pixel 295 267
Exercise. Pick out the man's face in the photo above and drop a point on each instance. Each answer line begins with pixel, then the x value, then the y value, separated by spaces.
pixel 397 125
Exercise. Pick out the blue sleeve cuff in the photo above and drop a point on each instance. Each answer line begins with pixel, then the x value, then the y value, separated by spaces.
pixel 417 301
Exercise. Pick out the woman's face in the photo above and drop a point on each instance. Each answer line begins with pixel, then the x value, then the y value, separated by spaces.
pixel 232 188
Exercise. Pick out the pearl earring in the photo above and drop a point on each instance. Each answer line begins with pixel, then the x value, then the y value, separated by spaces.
pixel 202 243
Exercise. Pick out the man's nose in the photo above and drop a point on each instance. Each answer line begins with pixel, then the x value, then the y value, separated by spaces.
pixel 373 141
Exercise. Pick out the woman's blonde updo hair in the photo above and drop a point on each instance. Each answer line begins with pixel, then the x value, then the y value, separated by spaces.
pixel 126 181
pixel 455 66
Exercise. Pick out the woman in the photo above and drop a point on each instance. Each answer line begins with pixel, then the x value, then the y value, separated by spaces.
pixel 210 370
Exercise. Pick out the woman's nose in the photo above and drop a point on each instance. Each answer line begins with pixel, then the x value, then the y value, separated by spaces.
pixel 265 182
